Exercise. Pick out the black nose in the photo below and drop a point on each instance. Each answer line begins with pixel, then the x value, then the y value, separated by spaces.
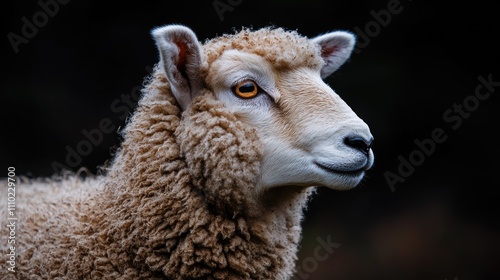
pixel 359 143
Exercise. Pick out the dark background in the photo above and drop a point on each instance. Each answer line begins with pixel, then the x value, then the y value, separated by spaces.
pixel 438 222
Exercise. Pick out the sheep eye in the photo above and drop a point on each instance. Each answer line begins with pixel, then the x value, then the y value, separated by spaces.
pixel 246 89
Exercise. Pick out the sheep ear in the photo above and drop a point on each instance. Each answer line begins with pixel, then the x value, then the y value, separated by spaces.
pixel 336 48
pixel 180 59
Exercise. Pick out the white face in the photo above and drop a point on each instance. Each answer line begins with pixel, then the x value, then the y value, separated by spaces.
pixel 310 136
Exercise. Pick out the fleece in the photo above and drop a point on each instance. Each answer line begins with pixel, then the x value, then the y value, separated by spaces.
pixel 178 200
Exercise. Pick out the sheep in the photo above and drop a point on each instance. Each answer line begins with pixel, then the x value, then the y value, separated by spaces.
pixel 229 141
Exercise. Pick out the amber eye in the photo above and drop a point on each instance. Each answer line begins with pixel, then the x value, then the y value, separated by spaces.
pixel 246 89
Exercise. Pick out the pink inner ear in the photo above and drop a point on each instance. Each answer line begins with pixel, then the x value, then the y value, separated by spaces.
pixel 181 62
pixel 327 51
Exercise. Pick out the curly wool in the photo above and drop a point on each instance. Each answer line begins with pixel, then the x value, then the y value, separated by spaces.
pixel 175 204
pixel 283 49
pixel 48 214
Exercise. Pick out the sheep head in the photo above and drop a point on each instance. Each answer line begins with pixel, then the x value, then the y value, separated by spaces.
pixel 288 127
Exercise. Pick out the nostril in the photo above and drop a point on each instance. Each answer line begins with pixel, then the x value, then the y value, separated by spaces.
pixel 359 143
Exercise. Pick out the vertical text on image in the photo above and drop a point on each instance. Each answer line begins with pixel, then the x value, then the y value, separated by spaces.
pixel 11 219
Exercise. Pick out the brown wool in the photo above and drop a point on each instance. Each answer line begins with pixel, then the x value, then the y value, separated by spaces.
pixel 178 200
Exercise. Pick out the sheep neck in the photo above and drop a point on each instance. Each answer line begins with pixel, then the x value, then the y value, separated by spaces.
pixel 190 214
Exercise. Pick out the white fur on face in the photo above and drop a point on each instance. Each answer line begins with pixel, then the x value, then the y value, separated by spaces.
pixel 301 122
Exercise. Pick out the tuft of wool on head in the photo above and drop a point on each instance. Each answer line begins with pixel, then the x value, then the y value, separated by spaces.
pixel 282 48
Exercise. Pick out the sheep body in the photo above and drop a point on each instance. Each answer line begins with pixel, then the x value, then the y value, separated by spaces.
pixel 179 199
pixel 143 223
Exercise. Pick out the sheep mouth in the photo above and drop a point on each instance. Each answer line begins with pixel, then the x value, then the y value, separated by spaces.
pixel 342 170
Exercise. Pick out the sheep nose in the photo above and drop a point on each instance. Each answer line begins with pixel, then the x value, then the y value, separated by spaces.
pixel 359 143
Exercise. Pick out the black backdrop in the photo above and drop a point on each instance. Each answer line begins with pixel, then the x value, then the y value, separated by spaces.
pixel 425 77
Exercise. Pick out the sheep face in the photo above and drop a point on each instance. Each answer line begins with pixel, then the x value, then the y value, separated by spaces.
pixel 270 82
